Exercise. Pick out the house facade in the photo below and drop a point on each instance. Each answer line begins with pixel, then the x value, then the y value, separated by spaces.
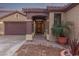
pixel 33 21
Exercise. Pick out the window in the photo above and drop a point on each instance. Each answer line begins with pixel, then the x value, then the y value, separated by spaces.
pixel 57 19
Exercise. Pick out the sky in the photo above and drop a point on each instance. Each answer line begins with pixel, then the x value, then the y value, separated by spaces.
pixel 19 6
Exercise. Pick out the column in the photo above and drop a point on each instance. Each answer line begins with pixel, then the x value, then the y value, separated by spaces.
pixel 29 32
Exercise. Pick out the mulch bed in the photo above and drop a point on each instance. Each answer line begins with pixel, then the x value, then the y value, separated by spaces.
pixel 37 50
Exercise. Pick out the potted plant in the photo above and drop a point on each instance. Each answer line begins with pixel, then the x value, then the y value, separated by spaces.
pixel 72 50
pixel 62 32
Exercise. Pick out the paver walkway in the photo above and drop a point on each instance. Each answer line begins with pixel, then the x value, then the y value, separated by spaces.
pixel 40 39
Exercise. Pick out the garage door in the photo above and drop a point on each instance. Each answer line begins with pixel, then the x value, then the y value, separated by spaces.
pixel 15 28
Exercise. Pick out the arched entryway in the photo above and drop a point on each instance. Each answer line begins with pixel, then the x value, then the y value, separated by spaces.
pixel 39 24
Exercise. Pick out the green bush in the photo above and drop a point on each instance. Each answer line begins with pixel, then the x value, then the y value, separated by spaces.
pixel 63 29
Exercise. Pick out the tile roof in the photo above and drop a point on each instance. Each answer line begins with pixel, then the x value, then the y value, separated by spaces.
pixel 35 10
pixel 51 8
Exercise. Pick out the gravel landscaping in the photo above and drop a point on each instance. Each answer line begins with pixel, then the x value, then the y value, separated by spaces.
pixel 38 50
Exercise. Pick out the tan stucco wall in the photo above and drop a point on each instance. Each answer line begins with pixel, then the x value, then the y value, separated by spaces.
pixel 73 16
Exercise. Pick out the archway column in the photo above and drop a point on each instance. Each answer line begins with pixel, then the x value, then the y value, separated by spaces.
pixel 33 29
pixel 47 29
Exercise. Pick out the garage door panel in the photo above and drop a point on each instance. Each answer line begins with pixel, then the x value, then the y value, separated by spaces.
pixel 15 28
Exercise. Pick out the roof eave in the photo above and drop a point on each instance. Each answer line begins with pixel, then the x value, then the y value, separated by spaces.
pixel 70 6
pixel 11 14
pixel 62 9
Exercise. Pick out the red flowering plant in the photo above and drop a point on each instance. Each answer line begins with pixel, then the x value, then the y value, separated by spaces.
pixel 74 47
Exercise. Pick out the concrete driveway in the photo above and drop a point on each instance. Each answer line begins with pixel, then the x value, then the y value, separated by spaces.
pixel 10 43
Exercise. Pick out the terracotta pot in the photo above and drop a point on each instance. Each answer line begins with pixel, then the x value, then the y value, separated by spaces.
pixel 62 40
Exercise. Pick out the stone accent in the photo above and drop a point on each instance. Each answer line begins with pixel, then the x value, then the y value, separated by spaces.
pixel 47 37
pixel 29 37
pixel 1 28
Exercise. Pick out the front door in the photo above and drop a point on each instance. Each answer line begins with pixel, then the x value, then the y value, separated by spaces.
pixel 39 27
